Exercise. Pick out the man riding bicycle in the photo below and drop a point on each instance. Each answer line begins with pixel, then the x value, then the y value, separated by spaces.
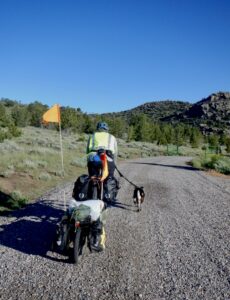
pixel 101 139
pixel 101 150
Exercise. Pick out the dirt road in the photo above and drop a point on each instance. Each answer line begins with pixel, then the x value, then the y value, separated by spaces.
pixel 177 247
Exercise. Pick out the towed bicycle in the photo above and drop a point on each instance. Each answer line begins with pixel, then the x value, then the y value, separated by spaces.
pixel 79 224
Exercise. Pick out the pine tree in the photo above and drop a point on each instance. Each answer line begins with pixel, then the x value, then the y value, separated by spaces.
pixel 20 115
pixel 195 138
pixel 227 144
pixel 131 133
pixel 213 140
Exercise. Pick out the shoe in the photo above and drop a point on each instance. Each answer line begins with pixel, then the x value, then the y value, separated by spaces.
pixel 98 243
pixel 96 246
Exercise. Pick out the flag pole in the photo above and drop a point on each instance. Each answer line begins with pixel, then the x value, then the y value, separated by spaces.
pixel 62 159
pixel 53 115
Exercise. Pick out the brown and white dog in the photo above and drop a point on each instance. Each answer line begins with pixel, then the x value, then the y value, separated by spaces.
pixel 138 196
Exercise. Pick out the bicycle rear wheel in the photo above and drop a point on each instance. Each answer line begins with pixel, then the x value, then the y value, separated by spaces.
pixel 95 192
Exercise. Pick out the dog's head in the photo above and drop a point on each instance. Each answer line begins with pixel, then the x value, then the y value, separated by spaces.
pixel 139 194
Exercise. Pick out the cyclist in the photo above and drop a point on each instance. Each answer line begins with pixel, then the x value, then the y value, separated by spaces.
pixel 101 139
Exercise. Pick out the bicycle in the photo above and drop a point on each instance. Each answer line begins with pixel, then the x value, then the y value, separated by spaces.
pixel 78 227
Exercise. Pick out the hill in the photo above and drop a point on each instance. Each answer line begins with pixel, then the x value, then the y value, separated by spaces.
pixel 155 110
pixel 211 114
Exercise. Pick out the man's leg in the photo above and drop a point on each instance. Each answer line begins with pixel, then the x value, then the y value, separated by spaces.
pixel 111 167
pixel 98 233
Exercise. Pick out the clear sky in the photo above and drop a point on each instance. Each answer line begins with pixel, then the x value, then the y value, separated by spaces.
pixel 112 55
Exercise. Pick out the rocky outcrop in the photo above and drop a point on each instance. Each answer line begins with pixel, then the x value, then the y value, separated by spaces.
pixel 211 114
pixel 216 107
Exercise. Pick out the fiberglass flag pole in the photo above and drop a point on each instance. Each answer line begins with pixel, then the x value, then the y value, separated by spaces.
pixel 62 161
pixel 53 116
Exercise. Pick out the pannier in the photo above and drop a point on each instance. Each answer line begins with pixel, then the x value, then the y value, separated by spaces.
pixel 111 187
pixel 81 188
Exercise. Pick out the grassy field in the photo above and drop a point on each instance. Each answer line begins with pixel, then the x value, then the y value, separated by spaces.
pixel 31 164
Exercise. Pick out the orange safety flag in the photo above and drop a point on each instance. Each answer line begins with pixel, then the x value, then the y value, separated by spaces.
pixel 105 170
pixel 52 115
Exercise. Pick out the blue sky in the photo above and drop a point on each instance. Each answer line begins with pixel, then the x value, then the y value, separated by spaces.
pixel 112 55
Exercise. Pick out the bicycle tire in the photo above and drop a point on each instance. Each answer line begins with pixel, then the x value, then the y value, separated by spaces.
pixel 95 192
pixel 65 239
pixel 77 246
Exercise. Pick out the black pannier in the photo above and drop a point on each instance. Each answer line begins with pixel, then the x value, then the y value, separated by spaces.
pixel 111 187
pixel 81 188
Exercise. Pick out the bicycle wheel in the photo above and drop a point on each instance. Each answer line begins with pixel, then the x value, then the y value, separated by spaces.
pixel 95 192
pixel 77 249
pixel 102 191
pixel 64 247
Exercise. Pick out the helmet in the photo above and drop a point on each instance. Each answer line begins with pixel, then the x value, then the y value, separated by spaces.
pixel 102 126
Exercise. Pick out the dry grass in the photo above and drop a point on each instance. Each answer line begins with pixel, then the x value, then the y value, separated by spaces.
pixel 31 163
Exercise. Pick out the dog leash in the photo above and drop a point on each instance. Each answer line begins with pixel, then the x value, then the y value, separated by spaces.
pixel 119 172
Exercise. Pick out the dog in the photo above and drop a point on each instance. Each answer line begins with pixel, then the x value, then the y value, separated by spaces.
pixel 138 196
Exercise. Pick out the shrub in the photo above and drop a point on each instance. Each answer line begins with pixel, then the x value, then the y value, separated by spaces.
pixel 71 146
pixel 41 151
pixel 144 154
pixel 227 143
pixel 7 173
pixel 219 163
pixel 79 162
pixel 196 163
pixel 58 173
pixel 16 200
pixel 210 162
pixel 37 151
pixel 9 146
pixel 82 138
pixel 213 140
pixel 14 131
pixel 44 176
pixel 2 135
pixel 29 164
pixel 42 163
pixel 123 154
pixel 223 165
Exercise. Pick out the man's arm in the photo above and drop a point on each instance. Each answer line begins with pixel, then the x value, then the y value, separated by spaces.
pixel 115 150
pixel 88 144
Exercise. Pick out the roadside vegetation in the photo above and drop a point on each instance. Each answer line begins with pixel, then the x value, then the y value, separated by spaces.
pixel 30 161
pixel 31 164
pixel 215 155
pixel 215 162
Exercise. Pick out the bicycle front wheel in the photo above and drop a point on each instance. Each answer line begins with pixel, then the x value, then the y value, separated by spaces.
pixel 77 246
pixel 65 239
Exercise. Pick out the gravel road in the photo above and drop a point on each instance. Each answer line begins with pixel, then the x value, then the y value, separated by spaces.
pixel 177 247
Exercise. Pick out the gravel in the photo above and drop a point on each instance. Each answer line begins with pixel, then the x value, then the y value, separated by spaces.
pixel 177 247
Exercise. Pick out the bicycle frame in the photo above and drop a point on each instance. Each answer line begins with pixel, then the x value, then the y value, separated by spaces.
pixel 98 180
